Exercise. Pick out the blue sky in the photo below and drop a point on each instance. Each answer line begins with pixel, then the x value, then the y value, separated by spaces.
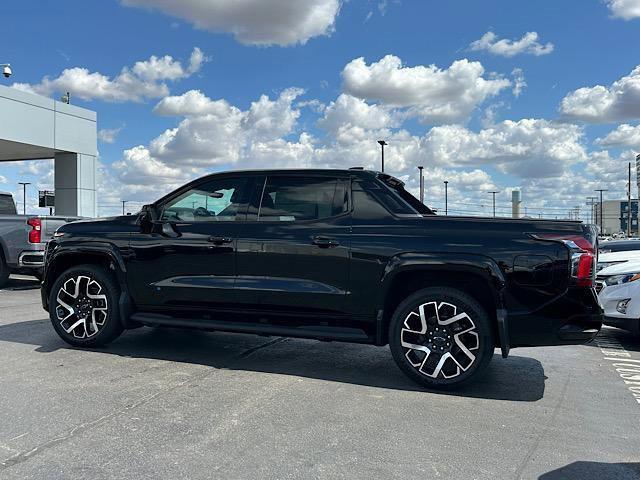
pixel 472 122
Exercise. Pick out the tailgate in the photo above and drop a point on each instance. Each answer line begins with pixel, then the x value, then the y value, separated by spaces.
pixel 51 224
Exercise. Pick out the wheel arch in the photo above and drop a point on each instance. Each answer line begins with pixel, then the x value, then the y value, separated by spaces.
pixel 106 256
pixel 475 275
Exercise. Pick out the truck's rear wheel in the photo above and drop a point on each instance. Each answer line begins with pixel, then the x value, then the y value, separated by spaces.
pixel 83 306
pixel 440 337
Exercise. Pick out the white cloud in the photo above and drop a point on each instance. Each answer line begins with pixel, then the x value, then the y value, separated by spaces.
pixel 3 179
pixel 625 9
pixel 347 110
pixel 109 135
pixel 623 136
pixel 528 44
pixel 600 104
pixel 268 119
pixel 526 148
pixel 191 103
pixel 280 153
pixel 433 94
pixel 213 133
pixel 139 167
pixel 254 22
pixel 519 83
pixel 146 79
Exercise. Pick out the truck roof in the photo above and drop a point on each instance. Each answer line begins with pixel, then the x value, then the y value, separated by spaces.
pixel 356 171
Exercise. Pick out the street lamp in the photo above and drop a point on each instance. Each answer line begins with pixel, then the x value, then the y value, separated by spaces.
pixel 24 196
pixel 446 199
pixel 420 167
pixel 601 219
pixel 494 202
pixel 382 144
pixel 123 204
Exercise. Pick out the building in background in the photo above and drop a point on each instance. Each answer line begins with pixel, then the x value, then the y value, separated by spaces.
pixel 33 127
pixel 615 214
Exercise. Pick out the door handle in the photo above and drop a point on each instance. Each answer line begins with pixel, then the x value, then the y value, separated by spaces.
pixel 325 242
pixel 219 240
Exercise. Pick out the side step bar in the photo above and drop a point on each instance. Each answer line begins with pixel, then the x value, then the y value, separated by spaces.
pixel 317 332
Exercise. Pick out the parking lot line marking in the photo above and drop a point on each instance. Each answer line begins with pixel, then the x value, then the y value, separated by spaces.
pixel 627 367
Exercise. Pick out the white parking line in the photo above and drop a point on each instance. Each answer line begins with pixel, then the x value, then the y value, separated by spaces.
pixel 623 361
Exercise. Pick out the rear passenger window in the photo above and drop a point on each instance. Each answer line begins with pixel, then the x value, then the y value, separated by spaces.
pixel 291 199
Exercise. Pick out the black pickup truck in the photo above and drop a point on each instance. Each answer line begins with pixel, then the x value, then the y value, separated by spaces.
pixel 343 255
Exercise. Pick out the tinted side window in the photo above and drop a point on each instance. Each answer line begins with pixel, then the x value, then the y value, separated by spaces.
pixel 7 207
pixel 290 199
pixel 213 201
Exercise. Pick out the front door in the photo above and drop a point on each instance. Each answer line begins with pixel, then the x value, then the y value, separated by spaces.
pixel 188 260
pixel 294 256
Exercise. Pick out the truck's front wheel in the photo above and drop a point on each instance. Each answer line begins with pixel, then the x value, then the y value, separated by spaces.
pixel 440 337
pixel 83 306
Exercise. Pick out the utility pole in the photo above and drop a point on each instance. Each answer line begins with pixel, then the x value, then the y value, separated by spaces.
pixel 420 167
pixel 601 219
pixel 446 197
pixel 591 203
pixel 123 203
pixel 382 145
pixel 24 196
pixel 629 204
pixel 494 202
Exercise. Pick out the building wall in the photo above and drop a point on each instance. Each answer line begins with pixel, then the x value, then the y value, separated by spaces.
pixel 36 127
pixel 615 214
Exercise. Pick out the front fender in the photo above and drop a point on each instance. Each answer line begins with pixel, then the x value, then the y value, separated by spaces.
pixel 59 256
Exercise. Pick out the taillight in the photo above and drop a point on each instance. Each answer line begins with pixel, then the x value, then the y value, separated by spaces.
pixel 35 234
pixel 583 257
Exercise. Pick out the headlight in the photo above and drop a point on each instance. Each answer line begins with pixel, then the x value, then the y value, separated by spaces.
pixel 620 279
pixel 603 265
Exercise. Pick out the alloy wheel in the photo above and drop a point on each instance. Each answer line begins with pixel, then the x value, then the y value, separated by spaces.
pixel 81 306
pixel 439 341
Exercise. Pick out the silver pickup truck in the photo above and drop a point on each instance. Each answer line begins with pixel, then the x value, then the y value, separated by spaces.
pixel 23 239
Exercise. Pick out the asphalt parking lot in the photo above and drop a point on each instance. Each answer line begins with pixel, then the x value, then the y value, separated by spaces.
pixel 182 404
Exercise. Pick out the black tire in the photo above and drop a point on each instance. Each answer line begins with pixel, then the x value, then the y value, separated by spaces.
pixel 4 271
pixel 101 307
pixel 438 339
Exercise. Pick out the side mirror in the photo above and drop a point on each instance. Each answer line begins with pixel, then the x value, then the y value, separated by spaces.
pixel 149 213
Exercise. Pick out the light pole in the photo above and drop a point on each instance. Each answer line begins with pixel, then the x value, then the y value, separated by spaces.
pixel 446 199
pixel 494 201
pixel 24 196
pixel 123 204
pixel 629 204
pixel 382 145
pixel 420 167
pixel 601 219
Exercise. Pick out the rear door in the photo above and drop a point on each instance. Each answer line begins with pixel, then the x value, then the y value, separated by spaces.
pixel 293 254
